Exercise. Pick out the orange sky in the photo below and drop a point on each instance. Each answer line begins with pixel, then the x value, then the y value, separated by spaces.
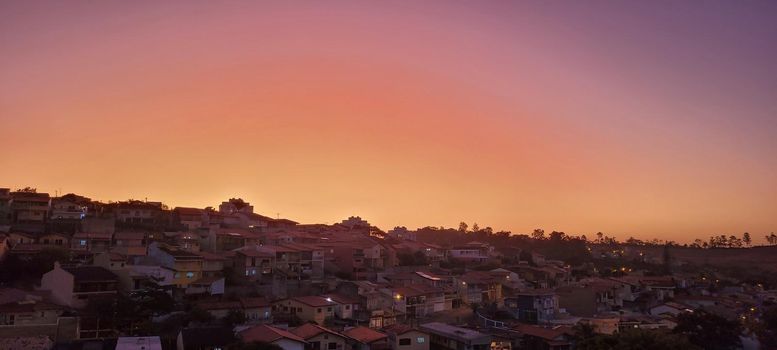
pixel 511 116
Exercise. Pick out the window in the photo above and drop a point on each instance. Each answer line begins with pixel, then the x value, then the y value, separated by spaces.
pixel 82 242
pixel 318 310
pixel 177 275
pixel 420 340
pixel 404 341
pixel 329 309
pixel 189 274
pixel 348 307
pixel 332 346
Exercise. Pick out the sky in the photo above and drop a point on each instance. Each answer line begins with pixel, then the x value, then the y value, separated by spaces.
pixel 653 119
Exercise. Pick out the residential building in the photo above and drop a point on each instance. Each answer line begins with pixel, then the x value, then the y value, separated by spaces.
pixel 404 337
pixel 186 266
pixel 320 338
pixel 272 335
pixel 26 313
pixel 533 306
pixel 130 243
pixel 545 338
pixel 472 252
pixel 307 308
pixel 367 338
pixel 75 286
pixel 91 242
pixel 190 218
pixel 456 338
pixel 29 207
pixel 480 287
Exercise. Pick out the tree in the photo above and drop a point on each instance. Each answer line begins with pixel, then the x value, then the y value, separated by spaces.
pixel 200 315
pixel 585 339
pixel 746 238
pixel 709 331
pixel 667 259
pixel 767 330
pixel 538 234
pixel 475 227
pixel 599 237
pixel 234 317
pixel 772 239
pixel 463 227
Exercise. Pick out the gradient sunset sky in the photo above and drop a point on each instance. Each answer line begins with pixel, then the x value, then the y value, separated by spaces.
pixel 645 119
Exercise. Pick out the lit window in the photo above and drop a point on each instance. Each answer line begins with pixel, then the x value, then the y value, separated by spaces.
pixel 189 274
pixel 420 340
pixel 82 242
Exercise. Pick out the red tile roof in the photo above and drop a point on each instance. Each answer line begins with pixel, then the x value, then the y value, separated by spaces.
pixel 267 334
pixel 310 330
pixel 364 334
pixel 544 332
pixel 314 300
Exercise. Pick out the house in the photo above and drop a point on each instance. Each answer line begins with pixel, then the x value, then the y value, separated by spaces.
pixel 404 337
pixel 205 338
pixel 65 208
pixel 367 338
pixel 402 233
pixel 533 306
pixel 15 238
pixel 130 243
pixel 253 262
pixel 480 287
pixel 75 286
pixel 307 308
pixel 345 306
pixel 187 266
pixel 188 241
pixel 25 312
pixel 472 252
pixel 139 343
pixel 190 218
pixel 670 308
pixel 54 240
pixel 210 285
pixel 417 301
pixel 91 242
pixel 320 338
pixel 212 264
pixel 135 213
pixel 235 205
pixel 256 309
pixel 545 338
pixel 272 335
pixel 29 207
pixel 591 297
pixel 358 258
pixel 456 338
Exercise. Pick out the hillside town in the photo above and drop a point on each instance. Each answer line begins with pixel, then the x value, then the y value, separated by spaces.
pixel 83 274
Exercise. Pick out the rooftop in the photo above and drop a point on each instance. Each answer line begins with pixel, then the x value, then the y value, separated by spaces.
pixel 364 334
